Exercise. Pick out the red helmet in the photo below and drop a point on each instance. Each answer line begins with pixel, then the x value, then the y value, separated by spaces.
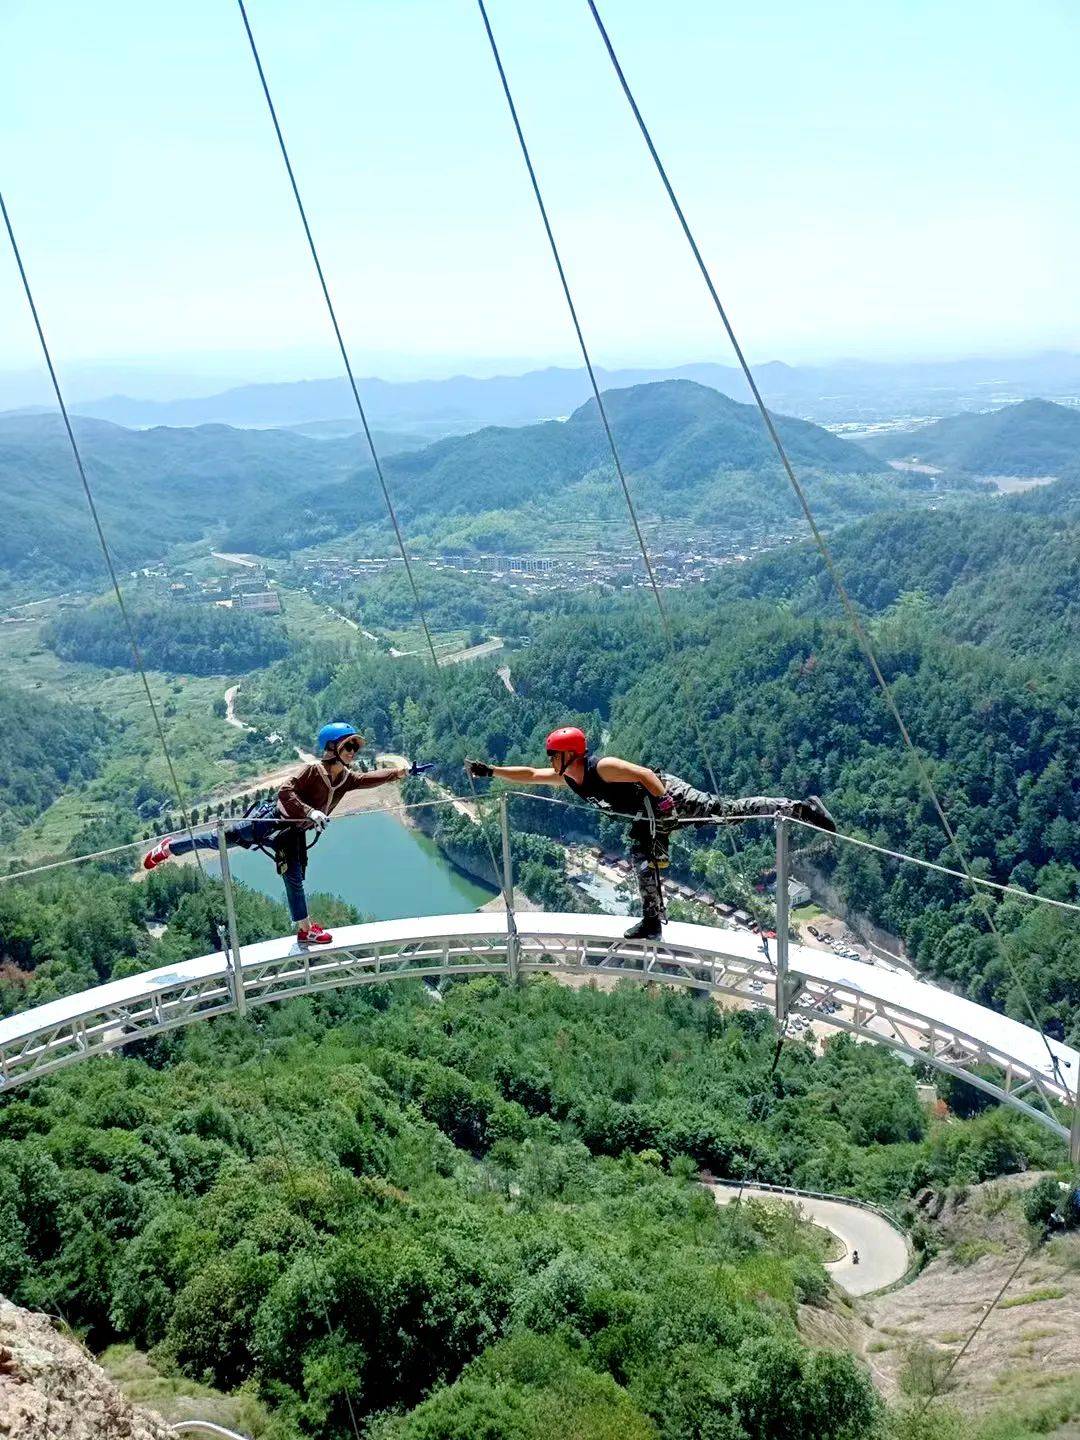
pixel 567 740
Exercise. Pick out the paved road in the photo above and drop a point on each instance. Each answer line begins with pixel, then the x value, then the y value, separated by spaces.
pixel 883 1255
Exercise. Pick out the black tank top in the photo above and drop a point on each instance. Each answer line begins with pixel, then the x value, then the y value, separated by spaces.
pixel 623 797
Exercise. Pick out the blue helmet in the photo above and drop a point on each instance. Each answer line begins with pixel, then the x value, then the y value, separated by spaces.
pixel 333 734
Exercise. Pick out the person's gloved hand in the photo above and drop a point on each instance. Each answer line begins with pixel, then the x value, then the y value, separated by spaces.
pixel 666 813
pixel 417 769
pixel 319 819
pixel 478 769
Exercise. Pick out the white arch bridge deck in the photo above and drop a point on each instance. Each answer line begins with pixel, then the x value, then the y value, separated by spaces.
pixel 895 1010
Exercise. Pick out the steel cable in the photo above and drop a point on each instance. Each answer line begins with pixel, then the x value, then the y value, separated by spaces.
pixel 850 610
pixel 362 413
pixel 95 517
pixel 665 618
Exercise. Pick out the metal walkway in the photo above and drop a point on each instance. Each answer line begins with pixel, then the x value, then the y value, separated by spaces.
pixel 907 1014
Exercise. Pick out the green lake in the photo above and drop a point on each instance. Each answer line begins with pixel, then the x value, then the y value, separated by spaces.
pixel 379 865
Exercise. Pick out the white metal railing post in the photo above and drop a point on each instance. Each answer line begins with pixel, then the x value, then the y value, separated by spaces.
pixel 1074 1133
pixel 781 919
pixel 508 891
pixel 235 968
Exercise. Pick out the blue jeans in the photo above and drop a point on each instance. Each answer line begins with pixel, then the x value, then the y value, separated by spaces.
pixel 287 842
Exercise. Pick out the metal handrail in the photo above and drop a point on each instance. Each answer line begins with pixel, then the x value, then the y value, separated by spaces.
pixel 844 839
pixel 150 840
pixel 883 1214
pixel 238 999
pixel 205 1427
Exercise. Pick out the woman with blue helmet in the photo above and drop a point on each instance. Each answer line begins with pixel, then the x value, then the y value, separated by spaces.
pixel 279 827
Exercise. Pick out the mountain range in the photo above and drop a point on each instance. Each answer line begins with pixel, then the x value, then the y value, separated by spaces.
pixel 844 390
pixel 695 459
pixel 153 489
pixel 690 453
pixel 689 450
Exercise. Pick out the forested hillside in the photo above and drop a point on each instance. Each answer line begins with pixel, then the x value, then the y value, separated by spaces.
pixel 1035 437
pixel 153 488
pixel 699 454
pixel 787 705
pixel 477 1215
pixel 691 454
pixel 44 749
pixel 346 1202
pixel 1005 574
pixel 183 639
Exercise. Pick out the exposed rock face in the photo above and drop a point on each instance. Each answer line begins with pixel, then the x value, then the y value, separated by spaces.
pixel 50 1389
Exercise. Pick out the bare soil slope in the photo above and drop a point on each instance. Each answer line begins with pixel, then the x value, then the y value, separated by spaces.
pixel 1028 1344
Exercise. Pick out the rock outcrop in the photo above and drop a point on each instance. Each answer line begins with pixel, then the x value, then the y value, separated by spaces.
pixel 50 1388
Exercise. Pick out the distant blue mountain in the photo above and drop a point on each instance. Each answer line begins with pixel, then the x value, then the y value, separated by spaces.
pixel 843 390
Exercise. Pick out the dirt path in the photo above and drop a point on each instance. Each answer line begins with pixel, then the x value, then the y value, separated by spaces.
pixel 230 710
pixel 473 652
pixel 353 625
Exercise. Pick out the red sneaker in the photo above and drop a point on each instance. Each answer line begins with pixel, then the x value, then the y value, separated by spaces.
pixel 161 852
pixel 314 935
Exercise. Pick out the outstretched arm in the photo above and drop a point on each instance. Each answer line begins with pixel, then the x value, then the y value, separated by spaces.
pixel 611 768
pixel 519 774
pixel 365 779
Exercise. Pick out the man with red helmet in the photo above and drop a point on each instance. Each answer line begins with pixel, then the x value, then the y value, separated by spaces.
pixel 655 803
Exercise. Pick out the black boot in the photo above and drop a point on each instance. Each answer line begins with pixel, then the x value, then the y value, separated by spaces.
pixel 813 812
pixel 647 928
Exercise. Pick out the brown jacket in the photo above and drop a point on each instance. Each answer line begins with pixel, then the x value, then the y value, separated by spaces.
pixel 311 789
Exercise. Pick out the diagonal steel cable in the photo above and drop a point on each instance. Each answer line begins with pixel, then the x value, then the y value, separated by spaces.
pixel 850 609
pixel 690 707
pixel 853 616
pixel 936 1385
pixel 96 518
pixel 361 411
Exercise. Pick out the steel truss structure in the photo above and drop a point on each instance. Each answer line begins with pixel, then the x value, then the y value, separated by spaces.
pixel 910 1016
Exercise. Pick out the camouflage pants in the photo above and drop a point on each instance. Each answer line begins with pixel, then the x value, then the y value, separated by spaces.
pixel 649 844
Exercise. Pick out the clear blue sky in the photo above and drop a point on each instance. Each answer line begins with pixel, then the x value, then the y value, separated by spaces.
pixel 886 178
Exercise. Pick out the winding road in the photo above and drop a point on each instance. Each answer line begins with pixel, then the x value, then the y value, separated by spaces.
pixel 883 1251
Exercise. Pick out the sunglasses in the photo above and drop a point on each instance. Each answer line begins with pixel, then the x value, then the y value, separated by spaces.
pixel 350 747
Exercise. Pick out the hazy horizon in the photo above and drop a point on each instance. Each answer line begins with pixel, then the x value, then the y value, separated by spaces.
pixel 170 379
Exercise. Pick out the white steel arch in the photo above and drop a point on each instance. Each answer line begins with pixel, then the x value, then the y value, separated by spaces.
pixel 900 1011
